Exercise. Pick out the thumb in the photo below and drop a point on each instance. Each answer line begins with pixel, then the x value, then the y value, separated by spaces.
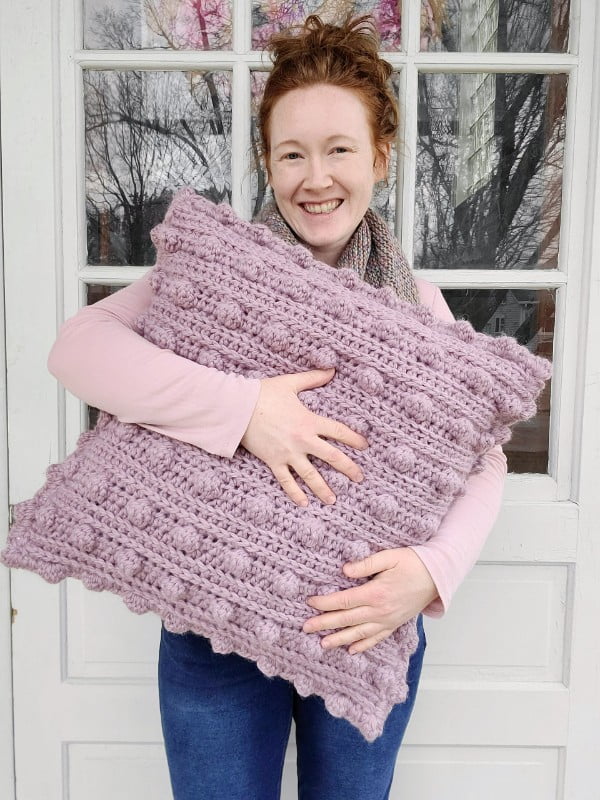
pixel 312 378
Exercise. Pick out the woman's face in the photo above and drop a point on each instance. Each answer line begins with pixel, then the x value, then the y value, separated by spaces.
pixel 322 165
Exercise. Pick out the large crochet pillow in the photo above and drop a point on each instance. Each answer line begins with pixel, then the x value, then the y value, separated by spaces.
pixel 213 545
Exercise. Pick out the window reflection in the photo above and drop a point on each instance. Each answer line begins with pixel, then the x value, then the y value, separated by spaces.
pixel 95 292
pixel 165 24
pixel 147 134
pixel 528 316
pixel 489 170
pixel 525 314
pixel 495 25
pixel 271 16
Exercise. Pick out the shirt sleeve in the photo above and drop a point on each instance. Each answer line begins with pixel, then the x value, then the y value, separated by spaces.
pixel 452 551
pixel 100 358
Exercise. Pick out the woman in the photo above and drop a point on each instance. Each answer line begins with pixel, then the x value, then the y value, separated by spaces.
pixel 327 121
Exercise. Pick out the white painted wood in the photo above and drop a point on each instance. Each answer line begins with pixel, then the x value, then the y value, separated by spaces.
pixel 584 678
pixel 507 623
pixel 470 773
pixel 7 772
pixel 508 704
pixel 426 62
pixel 97 651
pixel 119 771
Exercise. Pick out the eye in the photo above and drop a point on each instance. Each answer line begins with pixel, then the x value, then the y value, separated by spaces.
pixel 291 156
pixel 341 148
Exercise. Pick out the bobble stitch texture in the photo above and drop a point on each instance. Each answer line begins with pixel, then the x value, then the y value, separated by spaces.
pixel 369 380
pixel 139 512
pixel 402 458
pixel 213 545
pixel 185 539
pixel 84 536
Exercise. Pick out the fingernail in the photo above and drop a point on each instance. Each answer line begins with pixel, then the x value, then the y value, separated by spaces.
pixel 303 503
pixel 359 477
pixel 330 499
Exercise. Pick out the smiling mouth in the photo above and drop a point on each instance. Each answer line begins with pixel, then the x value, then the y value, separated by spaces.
pixel 321 208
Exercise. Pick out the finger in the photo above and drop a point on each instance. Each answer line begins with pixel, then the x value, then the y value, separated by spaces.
pixel 311 378
pixel 370 565
pixel 366 644
pixel 313 479
pixel 289 485
pixel 351 635
pixel 334 429
pixel 345 599
pixel 338 620
pixel 337 459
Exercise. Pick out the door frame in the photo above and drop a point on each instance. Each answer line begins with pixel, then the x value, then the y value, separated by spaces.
pixel 581 761
pixel 7 760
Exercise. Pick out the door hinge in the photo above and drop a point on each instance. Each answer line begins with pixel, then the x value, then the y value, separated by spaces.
pixel 11 515
pixel 13 614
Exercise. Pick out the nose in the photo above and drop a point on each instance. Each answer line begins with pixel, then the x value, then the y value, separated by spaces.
pixel 317 174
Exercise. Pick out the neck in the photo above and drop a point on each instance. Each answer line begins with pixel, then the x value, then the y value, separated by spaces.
pixel 329 256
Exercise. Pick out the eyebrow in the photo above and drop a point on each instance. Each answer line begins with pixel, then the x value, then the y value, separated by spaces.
pixel 288 142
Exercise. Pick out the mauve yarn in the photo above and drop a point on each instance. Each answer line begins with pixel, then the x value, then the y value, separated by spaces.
pixel 213 545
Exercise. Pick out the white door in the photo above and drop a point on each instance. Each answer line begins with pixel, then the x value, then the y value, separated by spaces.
pixel 494 199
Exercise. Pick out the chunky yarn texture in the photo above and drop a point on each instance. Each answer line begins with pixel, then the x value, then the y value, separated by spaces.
pixel 213 545
pixel 372 252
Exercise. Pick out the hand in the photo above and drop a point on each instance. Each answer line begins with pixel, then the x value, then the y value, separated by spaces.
pixel 401 589
pixel 282 432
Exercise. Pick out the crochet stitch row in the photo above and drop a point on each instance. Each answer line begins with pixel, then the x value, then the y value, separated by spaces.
pixel 213 545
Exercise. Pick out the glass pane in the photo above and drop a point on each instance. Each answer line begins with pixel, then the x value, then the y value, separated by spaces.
pixel 270 16
pixel 167 24
pixel 147 134
pixel 384 195
pixel 528 315
pixel 95 292
pixel 489 170
pixel 540 26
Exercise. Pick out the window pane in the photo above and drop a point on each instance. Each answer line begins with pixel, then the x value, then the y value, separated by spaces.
pixel 147 134
pixel 167 24
pixel 270 16
pixel 95 292
pixel 489 170
pixel 528 315
pixel 384 195
pixel 495 25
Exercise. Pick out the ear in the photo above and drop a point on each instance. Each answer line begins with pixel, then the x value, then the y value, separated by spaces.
pixel 382 161
pixel 263 161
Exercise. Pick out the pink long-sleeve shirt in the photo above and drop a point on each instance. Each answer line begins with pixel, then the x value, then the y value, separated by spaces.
pixel 100 358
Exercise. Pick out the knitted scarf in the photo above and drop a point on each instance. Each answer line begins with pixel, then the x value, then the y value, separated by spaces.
pixel 372 252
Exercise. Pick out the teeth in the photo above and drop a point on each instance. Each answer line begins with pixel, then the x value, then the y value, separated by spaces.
pixel 322 208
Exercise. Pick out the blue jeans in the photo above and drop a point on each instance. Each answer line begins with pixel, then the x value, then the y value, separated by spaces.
pixel 226 726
